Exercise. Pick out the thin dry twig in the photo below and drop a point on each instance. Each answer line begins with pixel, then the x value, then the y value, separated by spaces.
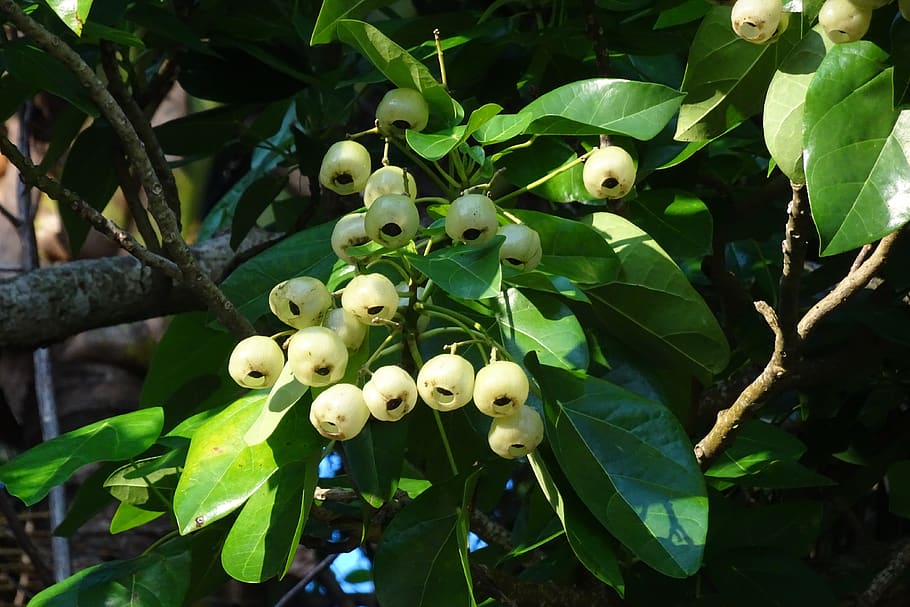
pixel 24 541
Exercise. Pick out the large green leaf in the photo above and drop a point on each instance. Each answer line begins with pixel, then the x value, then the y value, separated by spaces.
pixel 678 220
pixel 283 395
pixel 222 470
pixel 422 559
pixel 587 539
pixel 263 539
pixel 784 104
pixel 592 107
pixel 374 459
pixel 631 463
pixel 652 307
pixel 537 322
pixel 572 249
pixel 306 253
pixel 41 72
pixel 30 475
pixel 464 271
pixel 73 14
pixel 857 149
pixel 332 11
pixel 726 77
pixel 402 69
pixel 434 146
pixel 525 165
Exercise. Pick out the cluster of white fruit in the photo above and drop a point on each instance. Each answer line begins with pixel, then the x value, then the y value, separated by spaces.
pixel 762 21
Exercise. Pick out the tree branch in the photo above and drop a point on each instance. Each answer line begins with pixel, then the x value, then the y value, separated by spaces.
pixel 194 277
pixel 794 257
pixel 886 578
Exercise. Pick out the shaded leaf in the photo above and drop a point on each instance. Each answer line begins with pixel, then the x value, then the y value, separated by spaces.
pixel 464 271
pixel 763 578
pixel 128 516
pixel 899 488
pixel 678 220
pixel 525 165
pixel 31 474
pixel 41 72
pixel 374 459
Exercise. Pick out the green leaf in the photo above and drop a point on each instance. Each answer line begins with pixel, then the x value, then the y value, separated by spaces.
pixel 283 395
pixel 260 544
pixel 726 77
pixel 763 578
pixel 31 475
pixel 678 220
pixel 127 516
pixel 306 253
pixel 782 119
pixel 604 105
pixel 525 165
pixel 42 72
pixel 400 67
pixel 89 172
pixel 73 14
pixel 434 146
pixel 464 271
pixel 857 149
pixel 147 482
pixel 541 323
pixel 428 540
pixel 222 470
pixel 332 11
pixel 793 526
pixel 652 307
pixel 572 249
pixel 899 488
pixel 632 465
pixel 582 530
pixel 374 459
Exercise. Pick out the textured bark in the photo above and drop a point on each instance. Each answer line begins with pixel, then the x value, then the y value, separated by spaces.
pixel 50 304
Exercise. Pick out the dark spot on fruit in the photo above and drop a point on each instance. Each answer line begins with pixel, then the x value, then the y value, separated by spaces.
pixel 255 374
pixel 514 261
pixel 356 242
pixel 610 183
pixel 471 234
pixel 443 391
pixel 402 124
pixel 502 401
pixel 344 179
pixel 391 229
pixel 392 404
pixel 294 308
pixel 323 371
pixel 374 310
pixel 517 446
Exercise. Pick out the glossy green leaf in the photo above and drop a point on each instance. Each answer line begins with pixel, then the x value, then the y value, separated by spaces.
pixel 399 67
pixel 306 253
pixel 572 249
pixel 537 322
pixel 31 474
pixel 283 395
pixel 679 221
pixel 652 307
pixel 222 470
pixel 726 77
pixel 127 516
pixel 262 539
pixel 503 127
pixel 428 540
pixel 857 149
pixel 147 482
pixel 73 14
pixel 604 105
pixel 525 165
pixel 631 463
pixel 41 72
pixel 434 146
pixel 782 118
pixel 582 530
pixel 332 11
pixel 89 171
pixel 374 459
pixel 464 271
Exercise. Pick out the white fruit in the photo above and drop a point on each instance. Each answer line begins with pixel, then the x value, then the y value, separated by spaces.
pixel 500 388
pixel 392 220
pixel 609 172
pixel 317 356
pixel 369 297
pixel 516 435
pixel 256 362
pixel 844 21
pixel 339 413
pixel 446 382
pixel 345 167
pixel 388 180
pixel 756 20
pixel 349 231
pixel 351 330
pixel 521 250
pixel 300 302
pixel 390 394
pixel 401 109
pixel 471 219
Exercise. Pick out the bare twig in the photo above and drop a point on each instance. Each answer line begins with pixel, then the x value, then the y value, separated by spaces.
pixel 287 599
pixel 886 578
pixel 10 217
pixel 24 541
pixel 131 192
pixel 861 257
pixel 194 277
pixel 35 177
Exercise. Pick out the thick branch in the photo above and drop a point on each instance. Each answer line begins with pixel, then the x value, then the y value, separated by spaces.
pixel 794 257
pixel 194 277
pixel 886 578
pixel 53 303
